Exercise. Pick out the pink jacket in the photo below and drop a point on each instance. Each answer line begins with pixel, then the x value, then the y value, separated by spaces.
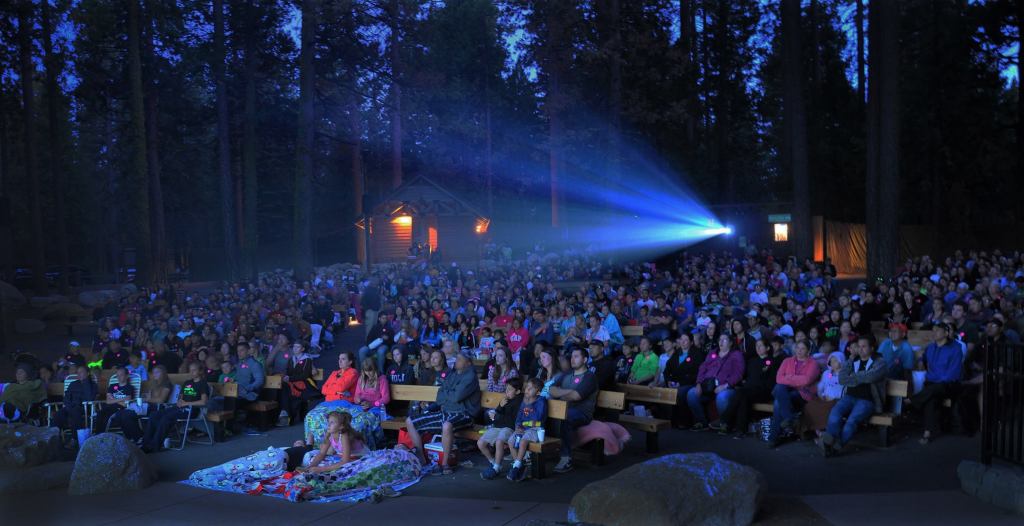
pixel 801 375
pixel 378 397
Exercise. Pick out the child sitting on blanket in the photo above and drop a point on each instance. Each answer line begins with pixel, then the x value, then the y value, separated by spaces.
pixel 503 420
pixel 529 420
pixel 341 445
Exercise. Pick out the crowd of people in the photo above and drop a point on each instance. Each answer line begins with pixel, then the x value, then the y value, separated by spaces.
pixel 725 331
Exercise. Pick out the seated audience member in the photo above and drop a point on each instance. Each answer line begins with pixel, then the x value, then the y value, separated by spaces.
pixel 158 389
pixel 794 385
pixel 501 370
pixel 249 374
pixel 579 390
pixel 17 398
pixel 897 352
pixel 399 370
pixel 529 420
pixel 645 366
pixel 212 366
pixel 136 366
pixel 502 425
pixel 681 370
pixel 115 356
pixel 115 411
pixel 717 378
pixel 863 377
pixel 602 366
pixel 458 402
pixel 372 390
pixel 943 362
pixel 297 385
pixel 71 415
pixel 624 364
pixel 227 373
pixel 758 382
pixel 548 370
pixel 194 395
pixel 341 384
pixel 383 331
pixel 341 445
pixel 816 411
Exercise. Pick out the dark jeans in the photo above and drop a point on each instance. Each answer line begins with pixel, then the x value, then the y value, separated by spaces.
pixel 787 403
pixel 70 417
pixel 738 416
pixel 574 419
pixel 930 401
pixel 381 353
pixel 118 416
pixel 293 404
pixel 681 414
pixel 159 425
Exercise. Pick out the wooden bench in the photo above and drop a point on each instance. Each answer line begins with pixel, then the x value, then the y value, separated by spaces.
pixel 648 424
pixel 632 331
pixel 556 410
pixel 895 390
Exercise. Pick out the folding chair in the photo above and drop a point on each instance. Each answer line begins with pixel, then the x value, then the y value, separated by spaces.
pixel 185 424
pixel 136 382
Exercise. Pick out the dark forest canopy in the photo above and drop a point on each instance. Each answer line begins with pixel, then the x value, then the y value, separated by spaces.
pixel 150 124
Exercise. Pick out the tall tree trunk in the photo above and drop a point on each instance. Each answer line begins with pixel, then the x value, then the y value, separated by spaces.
pixel 858 19
pixel 395 54
pixel 227 197
pixel 488 151
pixel 726 176
pixel 1019 188
pixel 883 140
pixel 56 157
pixel 795 121
pixel 139 175
pixel 302 232
pixel 553 106
pixel 156 189
pixel 355 140
pixel 687 40
pixel 614 50
pixel 249 174
pixel 25 23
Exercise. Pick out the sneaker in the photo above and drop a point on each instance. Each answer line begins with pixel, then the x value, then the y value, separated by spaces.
pixel 564 465
pixel 488 474
pixel 523 472
pixel 515 474
pixel 717 426
pixel 429 469
pixel 739 435
pixel 825 444
pixel 167 443
pixel 699 426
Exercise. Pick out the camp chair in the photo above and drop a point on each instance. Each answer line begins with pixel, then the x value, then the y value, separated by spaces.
pixel 136 382
pixel 190 422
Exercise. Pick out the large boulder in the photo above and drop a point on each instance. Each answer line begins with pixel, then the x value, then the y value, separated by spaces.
pixel 95 298
pixel 10 296
pixel 42 302
pixel 29 326
pixel 109 462
pixel 1000 485
pixel 22 445
pixel 698 488
pixel 66 311
pixel 36 478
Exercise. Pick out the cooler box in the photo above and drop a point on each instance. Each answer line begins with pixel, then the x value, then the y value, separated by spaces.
pixel 435 452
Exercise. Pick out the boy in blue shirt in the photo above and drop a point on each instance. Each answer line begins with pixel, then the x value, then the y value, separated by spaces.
pixel 529 420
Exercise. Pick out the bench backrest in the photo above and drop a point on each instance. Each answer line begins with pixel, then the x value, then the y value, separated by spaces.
pixel 227 390
pixel 632 330
pixel 414 393
pixel 273 381
pixel 898 388
pixel 556 408
pixel 611 400
pixel 650 395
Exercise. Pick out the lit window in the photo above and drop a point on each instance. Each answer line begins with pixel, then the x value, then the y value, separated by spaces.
pixel 481 225
pixel 781 232
pixel 402 220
